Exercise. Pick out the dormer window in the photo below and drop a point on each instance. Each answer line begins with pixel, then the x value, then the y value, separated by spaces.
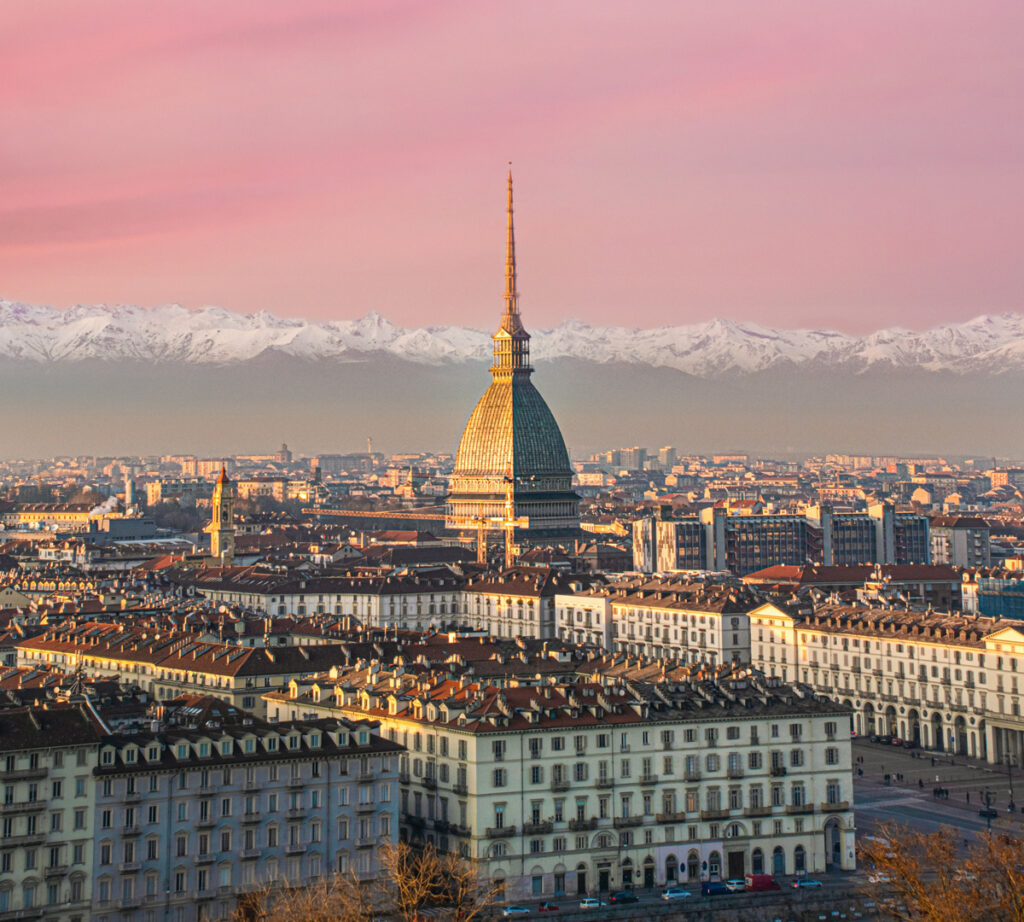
pixel 225 747
pixel 343 739
pixel 204 750
pixel 272 744
pixel 293 742
pixel 250 745
pixel 314 740
pixel 108 757
pixel 364 737
pixel 183 750
pixel 129 755
pixel 153 753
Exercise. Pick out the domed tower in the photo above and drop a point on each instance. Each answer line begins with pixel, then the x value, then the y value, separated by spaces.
pixel 512 443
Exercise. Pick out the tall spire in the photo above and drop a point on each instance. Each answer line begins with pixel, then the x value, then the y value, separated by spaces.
pixel 511 342
pixel 511 295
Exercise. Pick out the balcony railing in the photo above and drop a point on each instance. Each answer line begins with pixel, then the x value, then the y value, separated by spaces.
pixel 714 814
pixel 583 825
pixel 24 806
pixel 460 787
pixel 758 811
pixel 778 770
pixel 692 774
pixel 250 818
pixel 540 828
pixel 26 774
pixel 560 784
pixel 625 822
pixel 678 816
pixel 605 782
pixel 800 808
pixel 500 832
pixel 734 772
pixel 648 778
pixel 839 806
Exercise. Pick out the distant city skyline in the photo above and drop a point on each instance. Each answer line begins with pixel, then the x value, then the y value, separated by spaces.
pixel 806 165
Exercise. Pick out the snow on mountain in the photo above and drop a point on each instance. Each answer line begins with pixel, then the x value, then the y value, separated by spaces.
pixel 989 343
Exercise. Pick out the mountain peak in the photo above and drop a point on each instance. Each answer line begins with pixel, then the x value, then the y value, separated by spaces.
pixel 171 333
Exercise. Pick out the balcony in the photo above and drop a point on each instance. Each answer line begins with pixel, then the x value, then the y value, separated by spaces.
pixel 295 783
pixel 35 838
pixel 403 777
pixel 417 821
pixel 604 783
pixel 205 894
pixel 295 813
pixel 365 842
pixel 800 808
pixel 56 870
pixel 714 814
pixel 500 832
pixel 24 806
pixel 692 774
pixel 778 771
pixel 370 777
pixel 129 867
pixel 583 825
pixel 130 831
pixel 538 829
pixel 26 774
pixel 667 744
pixel 648 779
pixel 757 811
pixel 134 797
pixel 250 818
pixel 297 849
pixel 429 781
pixel 129 902
pixel 250 854
pixel 840 806
pixel 250 786
pixel 626 822
pixel 462 789
pixel 205 822
pixel 560 785
pixel 204 858
pixel 678 816
pixel 364 876
pixel 734 773
pixel 365 808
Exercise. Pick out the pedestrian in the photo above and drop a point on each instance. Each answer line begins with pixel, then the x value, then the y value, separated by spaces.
pixel 920 783
pixel 968 797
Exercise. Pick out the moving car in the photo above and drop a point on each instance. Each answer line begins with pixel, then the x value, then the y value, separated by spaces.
pixel 592 903
pixel 713 888
pixel 762 882
pixel 511 911
pixel 548 906
pixel 735 885
pixel 623 896
pixel 675 893
pixel 804 884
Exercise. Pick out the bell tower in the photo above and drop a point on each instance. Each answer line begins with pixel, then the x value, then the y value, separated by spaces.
pixel 222 528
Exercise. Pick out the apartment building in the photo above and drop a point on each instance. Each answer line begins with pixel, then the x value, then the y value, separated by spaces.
pixel 961 541
pixel 746 536
pixel 948 682
pixel 46 825
pixel 678 619
pixel 188 819
pixel 564 787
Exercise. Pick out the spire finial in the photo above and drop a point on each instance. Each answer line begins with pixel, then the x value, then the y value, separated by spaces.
pixel 511 295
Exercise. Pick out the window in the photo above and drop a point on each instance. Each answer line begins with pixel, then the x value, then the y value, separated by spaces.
pixel 499 777
pixel 831 756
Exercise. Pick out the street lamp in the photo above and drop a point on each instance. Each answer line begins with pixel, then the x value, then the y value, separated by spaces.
pixel 988 812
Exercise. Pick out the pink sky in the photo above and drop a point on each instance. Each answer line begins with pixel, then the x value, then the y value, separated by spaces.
pixel 851 164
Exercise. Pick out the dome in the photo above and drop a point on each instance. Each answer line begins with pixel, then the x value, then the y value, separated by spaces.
pixel 512 431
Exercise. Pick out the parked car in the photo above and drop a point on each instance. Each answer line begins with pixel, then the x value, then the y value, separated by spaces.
pixel 804 884
pixel 762 882
pixel 592 903
pixel 624 896
pixel 879 878
pixel 675 893
pixel 547 906
pixel 713 888
pixel 736 885
pixel 511 911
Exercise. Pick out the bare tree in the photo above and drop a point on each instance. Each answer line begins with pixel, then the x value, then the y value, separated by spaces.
pixel 410 878
pixel 339 898
pixel 931 877
pixel 468 893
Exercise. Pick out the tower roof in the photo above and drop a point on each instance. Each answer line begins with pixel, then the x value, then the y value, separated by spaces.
pixel 223 478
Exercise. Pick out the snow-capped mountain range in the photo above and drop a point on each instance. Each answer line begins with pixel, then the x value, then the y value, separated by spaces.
pixel 991 343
